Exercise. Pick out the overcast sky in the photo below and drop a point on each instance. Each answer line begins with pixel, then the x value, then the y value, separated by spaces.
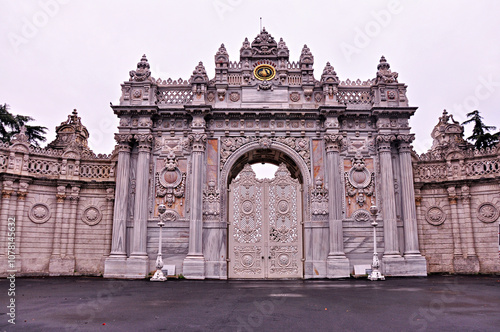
pixel 57 55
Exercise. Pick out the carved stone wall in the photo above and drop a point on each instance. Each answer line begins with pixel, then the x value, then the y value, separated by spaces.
pixel 458 202
pixel 62 201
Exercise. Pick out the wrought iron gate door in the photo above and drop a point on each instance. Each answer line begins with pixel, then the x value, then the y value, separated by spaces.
pixel 265 226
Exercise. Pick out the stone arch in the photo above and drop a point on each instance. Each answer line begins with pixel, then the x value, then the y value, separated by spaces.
pixel 300 169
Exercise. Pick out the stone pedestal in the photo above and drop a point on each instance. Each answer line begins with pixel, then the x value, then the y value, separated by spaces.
pixel 193 267
pixel 61 266
pixel 466 265
pixel 120 267
pixel 408 266
pixel 337 267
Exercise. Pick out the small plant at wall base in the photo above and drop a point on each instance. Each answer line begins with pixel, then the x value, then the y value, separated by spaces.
pixel 11 124
pixel 480 133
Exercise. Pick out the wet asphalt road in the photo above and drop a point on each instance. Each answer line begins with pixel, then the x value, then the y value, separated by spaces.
pixel 436 303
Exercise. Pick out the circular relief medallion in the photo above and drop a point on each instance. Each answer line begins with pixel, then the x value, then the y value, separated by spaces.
pixel 234 96
pixel 295 97
pixel 264 72
pixel 39 213
pixel 283 260
pixel 91 216
pixel 359 178
pixel 487 212
pixel 283 206
pixel 435 216
pixel 247 260
pixel 170 179
pixel 247 207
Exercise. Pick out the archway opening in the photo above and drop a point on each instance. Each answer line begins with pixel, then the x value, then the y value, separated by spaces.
pixel 264 170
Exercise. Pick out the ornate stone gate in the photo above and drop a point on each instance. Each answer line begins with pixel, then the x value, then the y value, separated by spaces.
pixel 265 228
pixel 183 142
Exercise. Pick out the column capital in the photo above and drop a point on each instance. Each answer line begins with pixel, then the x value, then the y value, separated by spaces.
pixel 61 194
pixel 333 142
pixel 144 141
pixel 198 142
pixel 452 195
pixel 384 142
pixel 74 195
pixel 123 141
pixel 7 189
pixel 405 141
pixel 22 191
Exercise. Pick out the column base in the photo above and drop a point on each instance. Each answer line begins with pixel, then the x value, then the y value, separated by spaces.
pixel 314 269
pixel 216 269
pixel 193 267
pixel 120 267
pixel 466 265
pixel 408 266
pixel 337 267
pixel 59 266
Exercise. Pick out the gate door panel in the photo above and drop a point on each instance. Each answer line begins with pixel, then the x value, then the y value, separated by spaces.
pixel 265 231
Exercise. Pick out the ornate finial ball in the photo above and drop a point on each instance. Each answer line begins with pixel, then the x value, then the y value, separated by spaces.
pixel 211 183
pixel 162 208
pixel 373 210
pixel 319 182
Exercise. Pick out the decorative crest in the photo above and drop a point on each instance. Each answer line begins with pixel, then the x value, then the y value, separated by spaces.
pixel 142 72
pixel 71 133
pixel 21 136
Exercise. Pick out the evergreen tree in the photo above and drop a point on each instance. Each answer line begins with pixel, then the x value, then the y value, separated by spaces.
pixel 480 136
pixel 11 124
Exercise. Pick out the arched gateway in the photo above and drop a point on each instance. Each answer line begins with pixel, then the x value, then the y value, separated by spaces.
pixel 342 147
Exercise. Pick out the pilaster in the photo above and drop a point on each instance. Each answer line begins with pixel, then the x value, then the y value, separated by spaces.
pixel 337 262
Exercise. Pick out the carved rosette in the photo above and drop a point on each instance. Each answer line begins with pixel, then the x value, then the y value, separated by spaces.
pixel 170 181
pixel 487 213
pixel 39 213
pixel 198 142
pixel 333 143
pixel 211 202
pixel 435 215
pixel 91 215
pixel 144 142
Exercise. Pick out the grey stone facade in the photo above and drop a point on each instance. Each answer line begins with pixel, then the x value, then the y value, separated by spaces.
pixel 182 143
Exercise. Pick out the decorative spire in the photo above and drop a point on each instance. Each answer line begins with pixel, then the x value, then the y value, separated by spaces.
pixel 306 56
pixel 384 73
pixel 222 56
pixel 199 74
pixel 329 75
pixel 142 72
pixel 283 49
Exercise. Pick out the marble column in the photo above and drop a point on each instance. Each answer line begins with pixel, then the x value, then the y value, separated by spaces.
pixel 455 226
pixel 337 262
pixel 409 211
pixel 118 242
pixel 139 240
pixel 194 263
pixel 388 196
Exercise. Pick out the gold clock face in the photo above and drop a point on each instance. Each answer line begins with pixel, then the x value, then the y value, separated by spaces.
pixel 264 72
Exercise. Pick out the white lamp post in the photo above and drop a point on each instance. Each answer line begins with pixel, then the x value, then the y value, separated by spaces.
pixel 158 276
pixel 375 275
